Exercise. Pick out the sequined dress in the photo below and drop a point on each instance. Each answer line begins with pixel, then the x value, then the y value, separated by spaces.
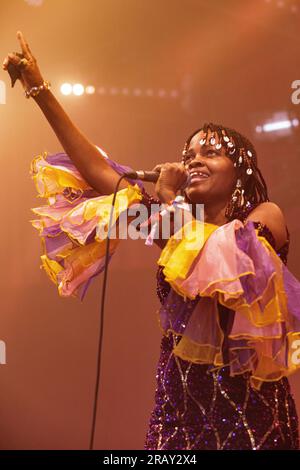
pixel 203 408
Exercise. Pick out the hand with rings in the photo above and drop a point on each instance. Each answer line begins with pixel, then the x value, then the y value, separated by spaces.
pixel 23 66
pixel 23 63
pixel 173 176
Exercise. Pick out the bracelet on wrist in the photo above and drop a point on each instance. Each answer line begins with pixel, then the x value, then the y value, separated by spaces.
pixel 35 90
pixel 165 208
pixel 173 204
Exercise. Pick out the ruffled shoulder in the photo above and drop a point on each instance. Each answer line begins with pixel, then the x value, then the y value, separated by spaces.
pixel 264 231
pixel 234 266
pixel 73 223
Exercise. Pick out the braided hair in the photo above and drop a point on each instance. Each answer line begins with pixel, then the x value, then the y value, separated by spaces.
pixel 242 152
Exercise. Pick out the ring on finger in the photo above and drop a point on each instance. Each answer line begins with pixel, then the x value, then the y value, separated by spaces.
pixel 23 63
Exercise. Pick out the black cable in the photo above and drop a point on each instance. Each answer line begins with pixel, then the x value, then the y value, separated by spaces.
pixel 102 318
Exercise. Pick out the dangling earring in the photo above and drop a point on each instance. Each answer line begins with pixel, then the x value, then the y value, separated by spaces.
pixel 237 200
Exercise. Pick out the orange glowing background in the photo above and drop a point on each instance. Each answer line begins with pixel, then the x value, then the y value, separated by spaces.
pixel 229 62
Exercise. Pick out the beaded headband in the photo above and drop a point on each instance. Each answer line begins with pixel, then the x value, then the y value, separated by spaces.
pixel 241 157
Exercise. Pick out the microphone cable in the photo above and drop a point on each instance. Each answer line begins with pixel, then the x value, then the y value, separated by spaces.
pixel 98 370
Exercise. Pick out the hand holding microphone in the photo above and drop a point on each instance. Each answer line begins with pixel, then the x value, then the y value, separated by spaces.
pixel 169 179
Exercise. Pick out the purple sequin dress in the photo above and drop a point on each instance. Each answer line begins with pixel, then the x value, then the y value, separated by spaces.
pixel 199 407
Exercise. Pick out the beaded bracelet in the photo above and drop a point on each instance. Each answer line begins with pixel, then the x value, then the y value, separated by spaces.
pixel 35 90
pixel 177 203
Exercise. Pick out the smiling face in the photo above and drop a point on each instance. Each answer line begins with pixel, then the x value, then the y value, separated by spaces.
pixel 212 173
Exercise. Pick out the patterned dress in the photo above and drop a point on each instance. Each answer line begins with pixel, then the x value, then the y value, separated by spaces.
pixel 202 407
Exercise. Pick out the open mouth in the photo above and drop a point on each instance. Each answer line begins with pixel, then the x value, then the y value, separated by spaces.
pixel 197 176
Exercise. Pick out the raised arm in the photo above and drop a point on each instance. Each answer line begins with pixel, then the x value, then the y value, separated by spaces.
pixel 84 154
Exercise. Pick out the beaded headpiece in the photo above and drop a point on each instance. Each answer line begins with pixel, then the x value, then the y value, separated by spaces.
pixel 251 188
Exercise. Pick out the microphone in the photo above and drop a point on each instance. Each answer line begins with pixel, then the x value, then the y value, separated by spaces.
pixel 150 176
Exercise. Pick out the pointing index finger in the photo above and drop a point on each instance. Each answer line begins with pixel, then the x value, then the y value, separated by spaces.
pixel 24 45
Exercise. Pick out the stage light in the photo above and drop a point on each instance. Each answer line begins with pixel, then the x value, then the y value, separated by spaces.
pixel 34 3
pixel 290 5
pixel 66 88
pixel 277 126
pixel 137 92
pixel 78 89
pixel 280 124
pixel 2 92
pixel 162 93
pixel 174 94
pixel 101 90
pixel 114 91
pixel 90 90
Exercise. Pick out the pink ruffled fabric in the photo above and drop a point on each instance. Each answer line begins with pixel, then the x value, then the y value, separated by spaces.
pixel 240 271
pixel 73 224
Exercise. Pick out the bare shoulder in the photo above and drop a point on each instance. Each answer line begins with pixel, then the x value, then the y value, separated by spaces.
pixel 270 214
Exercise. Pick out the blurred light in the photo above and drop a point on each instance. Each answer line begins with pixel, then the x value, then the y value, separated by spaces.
pixel 279 124
pixel 90 90
pixel 2 92
pixel 66 88
pixel 114 91
pixel 161 93
pixel 276 126
pixel 34 3
pixel 292 6
pixel 78 89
